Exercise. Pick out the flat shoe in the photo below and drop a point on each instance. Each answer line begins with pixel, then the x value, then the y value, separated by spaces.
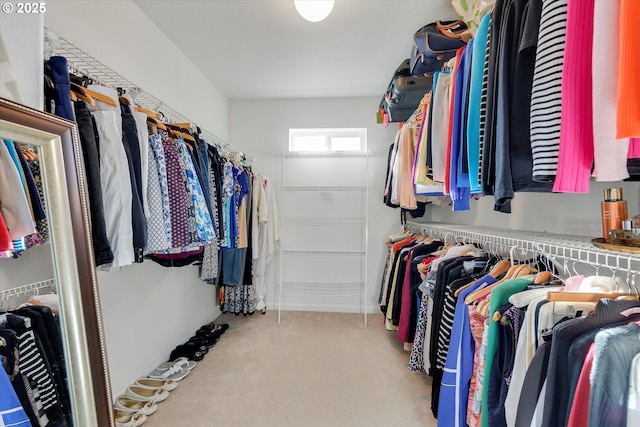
pixel 147 393
pixel 182 361
pixel 132 404
pixel 191 352
pixel 215 330
pixel 175 373
pixel 169 385
pixel 207 341
pixel 128 419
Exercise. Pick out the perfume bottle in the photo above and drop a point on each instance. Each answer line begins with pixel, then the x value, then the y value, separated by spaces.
pixel 614 211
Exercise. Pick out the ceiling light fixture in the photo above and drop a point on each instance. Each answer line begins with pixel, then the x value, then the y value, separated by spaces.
pixel 314 10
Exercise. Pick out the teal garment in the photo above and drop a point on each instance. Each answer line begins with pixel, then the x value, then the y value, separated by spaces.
pixel 475 96
pixel 16 161
pixel 499 297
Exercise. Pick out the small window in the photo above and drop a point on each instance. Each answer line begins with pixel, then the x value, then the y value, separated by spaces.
pixel 346 143
pixel 327 140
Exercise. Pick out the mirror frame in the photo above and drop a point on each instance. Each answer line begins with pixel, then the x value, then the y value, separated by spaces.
pixel 68 218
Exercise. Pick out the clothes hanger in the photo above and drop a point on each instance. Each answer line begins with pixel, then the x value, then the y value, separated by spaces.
pixel 474 296
pixel 560 296
pixel 149 113
pixel 500 268
pixel 79 93
pixel 181 131
pixel 100 97
pixel 156 123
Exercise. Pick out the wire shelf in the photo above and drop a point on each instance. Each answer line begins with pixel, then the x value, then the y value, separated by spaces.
pixel 82 63
pixel 568 248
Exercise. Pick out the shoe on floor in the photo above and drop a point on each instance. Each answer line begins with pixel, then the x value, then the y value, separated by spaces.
pixel 132 404
pixel 191 352
pixel 182 361
pixel 168 385
pixel 128 418
pixel 147 393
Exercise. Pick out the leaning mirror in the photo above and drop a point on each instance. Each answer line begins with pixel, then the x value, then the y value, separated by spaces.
pixel 56 143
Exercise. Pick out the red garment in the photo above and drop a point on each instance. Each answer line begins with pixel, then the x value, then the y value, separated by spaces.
pixel 401 244
pixel 628 119
pixel 404 325
pixel 447 159
pixel 579 415
pixel 5 238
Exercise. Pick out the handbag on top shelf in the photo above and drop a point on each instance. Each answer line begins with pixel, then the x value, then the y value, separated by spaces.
pixel 436 43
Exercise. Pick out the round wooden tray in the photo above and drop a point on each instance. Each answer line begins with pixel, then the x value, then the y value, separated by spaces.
pixel 601 243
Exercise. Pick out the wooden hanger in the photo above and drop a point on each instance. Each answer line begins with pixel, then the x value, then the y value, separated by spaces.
pixel 181 131
pixel 183 135
pixel 475 295
pixel 123 100
pixel 30 154
pixel 79 93
pixel 500 268
pixel 542 277
pixel 153 122
pixel 559 296
pixel 186 126
pixel 100 97
pixel 149 113
pixel 518 270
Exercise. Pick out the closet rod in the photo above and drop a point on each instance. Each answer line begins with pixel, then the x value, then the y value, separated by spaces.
pixel 25 289
pixel 87 65
pixel 567 248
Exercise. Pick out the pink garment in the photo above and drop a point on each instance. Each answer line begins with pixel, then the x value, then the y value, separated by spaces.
pixel 404 325
pixel 476 321
pixel 634 148
pixel 576 127
pixel 405 306
pixel 5 239
pixel 573 283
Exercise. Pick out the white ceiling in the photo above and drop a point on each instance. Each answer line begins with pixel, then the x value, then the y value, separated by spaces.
pixel 264 49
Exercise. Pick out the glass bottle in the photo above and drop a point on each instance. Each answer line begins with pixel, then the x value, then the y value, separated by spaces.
pixel 614 211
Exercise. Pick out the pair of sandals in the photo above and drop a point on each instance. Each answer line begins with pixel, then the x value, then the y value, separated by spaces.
pixel 170 372
pixel 199 344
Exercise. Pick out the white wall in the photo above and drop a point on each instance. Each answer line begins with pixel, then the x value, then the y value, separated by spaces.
pixel 261 127
pixel 21 36
pixel 147 309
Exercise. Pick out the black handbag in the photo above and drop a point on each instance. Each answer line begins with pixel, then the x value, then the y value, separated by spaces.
pixel 404 93
pixel 436 43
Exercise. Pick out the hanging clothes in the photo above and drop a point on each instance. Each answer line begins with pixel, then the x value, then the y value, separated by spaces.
pixel 610 153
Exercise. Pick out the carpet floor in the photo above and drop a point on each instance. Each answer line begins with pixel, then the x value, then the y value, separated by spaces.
pixel 312 369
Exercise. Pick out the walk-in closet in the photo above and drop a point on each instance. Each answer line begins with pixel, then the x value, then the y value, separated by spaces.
pixel 393 213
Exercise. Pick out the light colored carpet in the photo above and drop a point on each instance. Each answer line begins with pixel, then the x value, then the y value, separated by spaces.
pixel 312 369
